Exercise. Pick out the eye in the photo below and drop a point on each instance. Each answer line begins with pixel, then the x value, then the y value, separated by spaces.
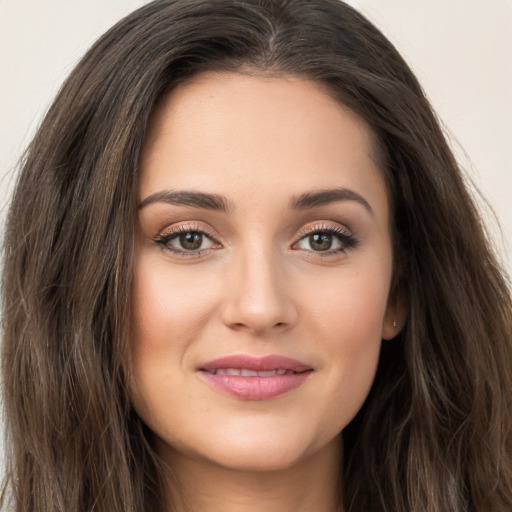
pixel 186 241
pixel 326 239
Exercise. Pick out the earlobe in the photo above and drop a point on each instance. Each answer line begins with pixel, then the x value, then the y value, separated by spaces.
pixel 389 332
pixel 396 314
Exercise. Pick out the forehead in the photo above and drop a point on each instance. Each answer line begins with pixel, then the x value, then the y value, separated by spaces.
pixel 223 130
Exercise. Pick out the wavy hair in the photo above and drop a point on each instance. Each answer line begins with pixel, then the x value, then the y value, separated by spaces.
pixel 435 432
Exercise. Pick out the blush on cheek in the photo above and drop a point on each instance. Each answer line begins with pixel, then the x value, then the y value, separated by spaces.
pixel 157 302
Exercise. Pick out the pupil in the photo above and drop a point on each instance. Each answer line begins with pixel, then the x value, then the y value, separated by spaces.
pixel 320 241
pixel 191 241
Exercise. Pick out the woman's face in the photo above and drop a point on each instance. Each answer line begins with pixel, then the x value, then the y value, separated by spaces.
pixel 263 246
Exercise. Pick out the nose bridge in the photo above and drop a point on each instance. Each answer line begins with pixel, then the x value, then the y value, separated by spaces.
pixel 259 297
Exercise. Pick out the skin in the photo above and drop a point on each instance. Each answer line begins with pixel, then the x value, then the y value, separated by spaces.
pixel 258 286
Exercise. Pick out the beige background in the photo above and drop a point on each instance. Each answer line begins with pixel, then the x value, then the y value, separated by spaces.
pixel 460 49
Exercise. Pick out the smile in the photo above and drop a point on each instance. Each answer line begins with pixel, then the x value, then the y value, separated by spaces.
pixel 249 378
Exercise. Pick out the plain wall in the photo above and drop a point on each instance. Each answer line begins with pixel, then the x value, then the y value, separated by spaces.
pixel 461 51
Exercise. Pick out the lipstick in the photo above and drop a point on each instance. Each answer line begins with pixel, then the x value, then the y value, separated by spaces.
pixel 252 378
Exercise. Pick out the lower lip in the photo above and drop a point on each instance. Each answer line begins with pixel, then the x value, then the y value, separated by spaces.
pixel 256 388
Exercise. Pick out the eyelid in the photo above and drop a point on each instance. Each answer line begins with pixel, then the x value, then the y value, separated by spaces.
pixel 324 226
pixel 181 227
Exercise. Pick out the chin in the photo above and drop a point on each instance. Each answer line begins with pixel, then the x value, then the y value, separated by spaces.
pixel 258 450
pixel 252 459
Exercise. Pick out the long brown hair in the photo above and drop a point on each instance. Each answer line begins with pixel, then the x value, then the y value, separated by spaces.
pixel 435 431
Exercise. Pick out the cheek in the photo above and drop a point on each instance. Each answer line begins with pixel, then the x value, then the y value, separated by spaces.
pixel 169 311
pixel 355 340
pixel 348 319
pixel 169 308
pixel 349 308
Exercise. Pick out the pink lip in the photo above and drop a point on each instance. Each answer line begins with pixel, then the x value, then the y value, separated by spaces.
pixel 256 387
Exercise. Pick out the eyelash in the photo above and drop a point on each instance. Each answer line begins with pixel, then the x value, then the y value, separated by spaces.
pixel 347 239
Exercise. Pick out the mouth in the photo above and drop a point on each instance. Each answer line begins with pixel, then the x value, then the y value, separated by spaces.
pixel 249 378
pixel 254 365
pixel 245 372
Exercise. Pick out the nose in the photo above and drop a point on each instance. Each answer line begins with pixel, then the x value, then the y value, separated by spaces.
pixel 258 299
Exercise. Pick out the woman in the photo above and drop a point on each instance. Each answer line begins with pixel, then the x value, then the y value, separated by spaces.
pixel 243 272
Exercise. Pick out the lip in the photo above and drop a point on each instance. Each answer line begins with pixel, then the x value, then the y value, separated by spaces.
pixel 267 363
pixel 255 387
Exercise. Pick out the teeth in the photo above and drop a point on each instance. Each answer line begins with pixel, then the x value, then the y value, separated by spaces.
pixel 250 373
pixel 227 371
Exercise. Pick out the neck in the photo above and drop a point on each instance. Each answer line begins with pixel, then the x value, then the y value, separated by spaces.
pixel 310 484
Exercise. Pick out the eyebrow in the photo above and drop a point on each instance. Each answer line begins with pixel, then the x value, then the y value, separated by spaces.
pixel 327 196
pixel 186 198
pixel 220 203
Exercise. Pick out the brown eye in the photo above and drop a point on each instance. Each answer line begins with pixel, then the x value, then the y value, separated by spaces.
pixel 191 241
pixel 320 241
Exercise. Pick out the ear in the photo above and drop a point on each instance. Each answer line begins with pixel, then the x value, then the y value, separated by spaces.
pixel 395 316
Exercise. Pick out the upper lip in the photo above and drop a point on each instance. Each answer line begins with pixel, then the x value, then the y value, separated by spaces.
pixel 267 363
